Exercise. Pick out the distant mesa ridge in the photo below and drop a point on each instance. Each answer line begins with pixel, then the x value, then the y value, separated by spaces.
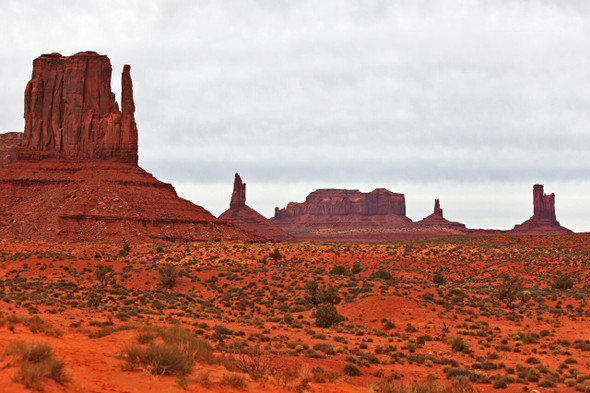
pixel 338 202
pixel 247 218
pixel 71 112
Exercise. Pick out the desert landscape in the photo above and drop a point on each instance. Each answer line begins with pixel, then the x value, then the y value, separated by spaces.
pixel 111 282
pixel 506 313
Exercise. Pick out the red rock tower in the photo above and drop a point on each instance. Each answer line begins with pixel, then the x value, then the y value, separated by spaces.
pixel 249 219
pixel 238 196
pixel 71 112
pixel 437 210
pixel 543 205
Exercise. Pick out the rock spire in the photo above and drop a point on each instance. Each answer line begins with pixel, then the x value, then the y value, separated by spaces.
pixel 71 112
pixel 238 196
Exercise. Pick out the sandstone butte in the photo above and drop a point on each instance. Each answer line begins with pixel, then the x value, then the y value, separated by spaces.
pixel 249 219
pixel 345 215
pixel 76 175
pixel 350 215
pixel 543 221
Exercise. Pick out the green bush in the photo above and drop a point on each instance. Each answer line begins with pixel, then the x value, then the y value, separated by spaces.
pixel 563 282
pixel 351 370
pixel 327 315
pixel 168 275
pixel 459 345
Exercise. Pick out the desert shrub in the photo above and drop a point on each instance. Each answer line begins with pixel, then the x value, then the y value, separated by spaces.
pixel 438 279
pixel 339 270
pixel 509 287
pixel 168 275
pixel 356 268
pixel 381 274
pixel 235 380
pixel 327 315
pixel 276 255
pixel 103 274
pixel 390 385
pixel 192 347
pixel 157 359
pixel 176 356
pixel 459 345
pixel 321 375
pixel 36 362
pixel 563 281
pixel 351 370
pixel 255 362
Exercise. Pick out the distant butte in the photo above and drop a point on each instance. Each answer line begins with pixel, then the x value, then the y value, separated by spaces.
pixel 245 217
pixel 76 175
pixel 345 215
pixel 436 219
pixel 543 221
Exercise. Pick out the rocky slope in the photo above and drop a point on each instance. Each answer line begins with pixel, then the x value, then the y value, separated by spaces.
pixel 76 176
pixel 245 217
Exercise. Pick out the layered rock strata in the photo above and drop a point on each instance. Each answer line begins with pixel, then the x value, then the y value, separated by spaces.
pixel 249 219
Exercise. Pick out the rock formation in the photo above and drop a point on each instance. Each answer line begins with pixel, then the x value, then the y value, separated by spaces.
pixel 8 145
pixel 436 219
pixel 335 202
pixel 245 217
pixel 238 196
pixel 76 176
pixel 71 113
pixel 344 215
pixel 543 221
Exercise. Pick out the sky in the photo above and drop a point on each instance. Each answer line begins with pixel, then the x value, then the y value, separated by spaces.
pixel 470 101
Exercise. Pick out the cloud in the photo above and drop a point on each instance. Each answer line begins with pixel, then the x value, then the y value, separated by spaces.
pixel 334 92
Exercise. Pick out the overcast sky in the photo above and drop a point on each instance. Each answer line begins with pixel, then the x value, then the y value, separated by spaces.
pixel 471 102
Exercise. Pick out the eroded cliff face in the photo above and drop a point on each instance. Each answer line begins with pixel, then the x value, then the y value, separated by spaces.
pixel 71 112
pixel 335 202
pixel 9 143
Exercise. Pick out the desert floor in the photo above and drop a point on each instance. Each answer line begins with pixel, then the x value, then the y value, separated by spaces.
pixel 499 313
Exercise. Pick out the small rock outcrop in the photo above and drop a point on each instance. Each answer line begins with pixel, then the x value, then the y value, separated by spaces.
pixel 543 221
pixel 9 143
pixel 436 219
pixel 71 112
pixel 249 219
